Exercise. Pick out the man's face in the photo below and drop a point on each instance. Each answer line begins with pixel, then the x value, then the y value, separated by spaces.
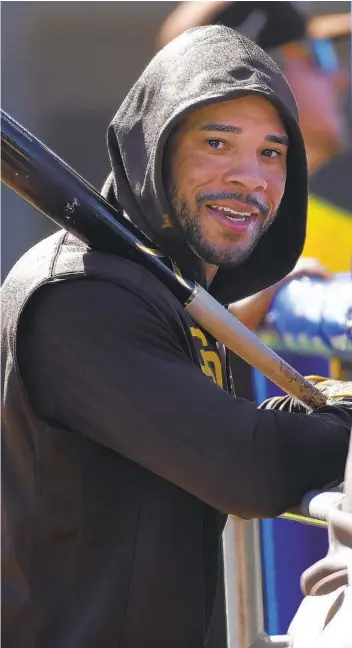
pixel 318 94
pixel 228 172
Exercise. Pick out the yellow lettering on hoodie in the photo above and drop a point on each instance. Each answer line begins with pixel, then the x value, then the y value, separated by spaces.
pixel 209 359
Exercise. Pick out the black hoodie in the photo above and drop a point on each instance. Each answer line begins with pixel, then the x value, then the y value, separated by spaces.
pixel 120 457
pixel 205 65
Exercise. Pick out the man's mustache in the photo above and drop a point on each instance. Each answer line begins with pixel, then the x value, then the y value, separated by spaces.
pixel 206 197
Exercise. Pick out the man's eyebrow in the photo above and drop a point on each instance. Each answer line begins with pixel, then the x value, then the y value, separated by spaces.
pixel 224 128
pixel 228 128
pixel 278 139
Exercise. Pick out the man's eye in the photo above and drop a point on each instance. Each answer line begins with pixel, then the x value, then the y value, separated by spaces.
pixel 271 153
pixel 215 143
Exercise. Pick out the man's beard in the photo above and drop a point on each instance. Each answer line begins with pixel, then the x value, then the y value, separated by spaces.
pixel 209 252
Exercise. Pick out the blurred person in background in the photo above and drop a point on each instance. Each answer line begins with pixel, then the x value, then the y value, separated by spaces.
pixel 124 448
pixel 305 52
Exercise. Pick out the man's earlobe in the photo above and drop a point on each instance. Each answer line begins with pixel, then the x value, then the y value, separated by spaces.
pixel 166 221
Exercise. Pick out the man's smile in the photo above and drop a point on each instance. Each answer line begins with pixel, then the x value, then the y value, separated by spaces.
pixel 237 222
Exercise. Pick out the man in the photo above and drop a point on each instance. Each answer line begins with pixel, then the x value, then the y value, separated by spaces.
pixel 304 50
pixel 122 454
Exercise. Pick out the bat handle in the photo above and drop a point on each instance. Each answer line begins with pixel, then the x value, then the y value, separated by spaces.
pixel 223 326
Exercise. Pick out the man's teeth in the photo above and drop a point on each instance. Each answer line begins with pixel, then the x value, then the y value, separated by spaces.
pixel 238 216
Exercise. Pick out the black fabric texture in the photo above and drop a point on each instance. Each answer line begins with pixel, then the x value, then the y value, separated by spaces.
pixel 204 65
pixel 87 390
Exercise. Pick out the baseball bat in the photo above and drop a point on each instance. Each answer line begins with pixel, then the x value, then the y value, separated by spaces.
pixel 41 178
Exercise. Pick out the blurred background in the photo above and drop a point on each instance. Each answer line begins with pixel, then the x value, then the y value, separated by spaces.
pixel 66 67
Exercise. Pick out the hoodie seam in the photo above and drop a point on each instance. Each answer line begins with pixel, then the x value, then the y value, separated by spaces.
pixel 36 541
pixel 56 255
pixel 131 570
pixel 249 54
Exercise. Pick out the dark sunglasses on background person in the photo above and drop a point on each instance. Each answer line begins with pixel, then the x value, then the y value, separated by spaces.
pixel 324 54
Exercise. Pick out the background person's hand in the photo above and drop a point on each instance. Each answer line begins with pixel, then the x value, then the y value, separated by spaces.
pixel 309 267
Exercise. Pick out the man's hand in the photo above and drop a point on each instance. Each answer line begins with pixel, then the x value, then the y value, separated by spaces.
pixel 252 310
pixel 337 392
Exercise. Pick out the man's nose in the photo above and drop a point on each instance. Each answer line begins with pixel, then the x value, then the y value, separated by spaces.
pixel 248 176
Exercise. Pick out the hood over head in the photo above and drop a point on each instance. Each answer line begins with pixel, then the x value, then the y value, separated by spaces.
pixel 202 66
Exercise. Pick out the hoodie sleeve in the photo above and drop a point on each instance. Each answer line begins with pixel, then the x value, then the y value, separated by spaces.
pixel 109 363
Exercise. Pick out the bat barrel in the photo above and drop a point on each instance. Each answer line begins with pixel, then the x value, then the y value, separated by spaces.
pixel 49 184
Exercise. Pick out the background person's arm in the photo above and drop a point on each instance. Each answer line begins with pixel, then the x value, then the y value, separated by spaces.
pixel 252 310
pixel 185 16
